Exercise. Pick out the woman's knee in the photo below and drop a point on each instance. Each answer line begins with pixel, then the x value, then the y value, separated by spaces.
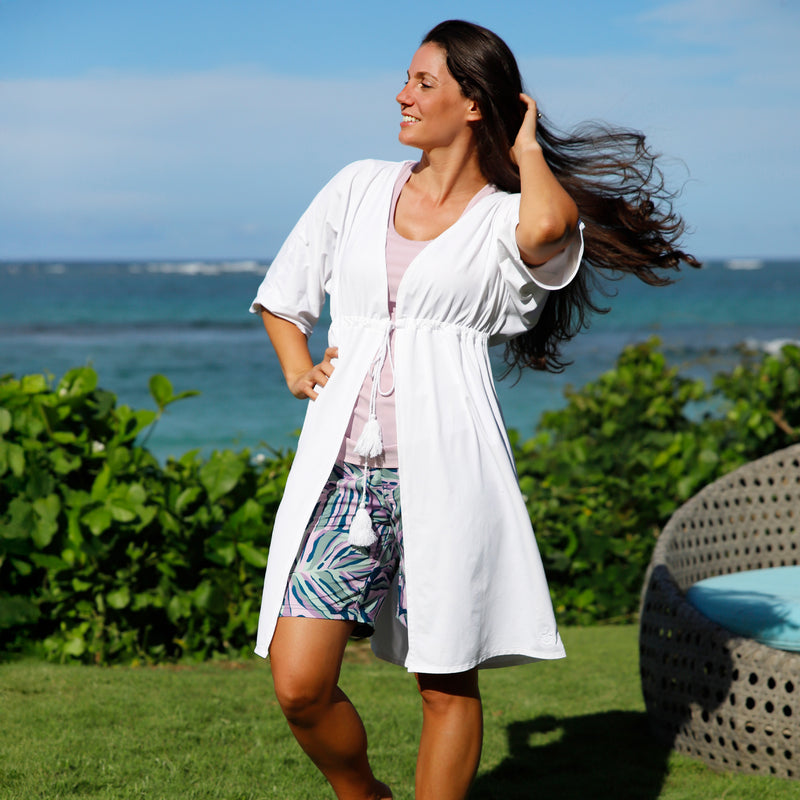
pixel 301 694
pixel 305 656
pixel 301 687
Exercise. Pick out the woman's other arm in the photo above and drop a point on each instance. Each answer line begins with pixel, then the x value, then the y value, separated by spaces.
pixel 291 346
pixel 548 216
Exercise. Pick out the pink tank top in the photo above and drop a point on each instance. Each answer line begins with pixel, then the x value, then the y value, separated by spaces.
pixel 400 252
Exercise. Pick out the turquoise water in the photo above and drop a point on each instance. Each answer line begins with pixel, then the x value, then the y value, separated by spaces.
pixel 189 321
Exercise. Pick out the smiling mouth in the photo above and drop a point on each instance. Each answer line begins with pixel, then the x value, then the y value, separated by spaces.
pixel 407 118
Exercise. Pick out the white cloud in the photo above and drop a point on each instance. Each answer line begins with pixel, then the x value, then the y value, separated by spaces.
pixel 728 109
pixel 755 40
pixel 233 152
pixel 718 22
pixel 221 163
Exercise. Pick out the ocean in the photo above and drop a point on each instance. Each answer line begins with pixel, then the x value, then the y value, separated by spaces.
pixel 189 320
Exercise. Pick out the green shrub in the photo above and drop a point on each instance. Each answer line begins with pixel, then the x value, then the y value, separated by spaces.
pixel 761 402
pixel 605 473
pixel 105 554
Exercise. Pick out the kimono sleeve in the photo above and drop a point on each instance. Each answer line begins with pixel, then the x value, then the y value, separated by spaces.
pixel 296 281
pixel 526 288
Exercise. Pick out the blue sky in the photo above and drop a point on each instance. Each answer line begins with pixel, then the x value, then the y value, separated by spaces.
pixel 200 129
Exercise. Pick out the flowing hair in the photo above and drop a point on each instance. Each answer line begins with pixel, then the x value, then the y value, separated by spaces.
pixel 630 223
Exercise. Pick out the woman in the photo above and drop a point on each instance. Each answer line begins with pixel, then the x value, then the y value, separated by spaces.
pixel 427 264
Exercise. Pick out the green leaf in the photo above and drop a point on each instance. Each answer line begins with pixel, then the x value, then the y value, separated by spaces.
pixel 75 647
pixel 21 520
pixel 118 458
pixel 160 390
pixel 184 395
pixel 100 484
pixel 47 510
pixel 15 456
pixel 136 494
pixel 178 608
pixel 77 382
pixel 48 562
pixel 105 402
pixel 98 520
pixel 189 458
pixel 186 498
pixel 121 511
pixel 145 600
pixel 131 423
pixel 251 555
pixel 708 457
pixel 34 384
pixel 585 598
pixel 208 597
pixel 221 473
pixel 22 567
pixel 63 463
pixel 223 554
pixel 147 514
pixel 119 598
pixel 5 421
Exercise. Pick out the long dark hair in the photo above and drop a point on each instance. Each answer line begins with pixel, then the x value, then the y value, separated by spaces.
pixel 610 173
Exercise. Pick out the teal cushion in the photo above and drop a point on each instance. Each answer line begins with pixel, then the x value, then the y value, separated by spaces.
pixel 762 604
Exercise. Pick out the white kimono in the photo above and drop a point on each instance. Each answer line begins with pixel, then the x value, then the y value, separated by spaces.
pixel 475 587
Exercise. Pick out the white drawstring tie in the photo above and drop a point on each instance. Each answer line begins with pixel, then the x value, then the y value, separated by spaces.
pixel 370 444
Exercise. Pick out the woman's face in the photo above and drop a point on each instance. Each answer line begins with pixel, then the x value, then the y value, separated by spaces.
pixel 435 112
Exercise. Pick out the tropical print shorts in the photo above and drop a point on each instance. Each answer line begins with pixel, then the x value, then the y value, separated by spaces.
pixel 330 578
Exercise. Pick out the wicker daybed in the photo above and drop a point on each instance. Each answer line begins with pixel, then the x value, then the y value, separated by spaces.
pixel 728 700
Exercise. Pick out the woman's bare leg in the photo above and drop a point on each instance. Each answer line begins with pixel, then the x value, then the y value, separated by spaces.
pixel 306 657
pixel 452 735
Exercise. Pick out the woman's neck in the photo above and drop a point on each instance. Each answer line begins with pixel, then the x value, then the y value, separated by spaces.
pixel 448 174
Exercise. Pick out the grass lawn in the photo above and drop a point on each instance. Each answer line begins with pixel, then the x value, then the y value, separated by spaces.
pixel 567 730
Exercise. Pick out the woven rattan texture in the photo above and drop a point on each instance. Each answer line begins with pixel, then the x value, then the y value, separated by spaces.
pixel 730 701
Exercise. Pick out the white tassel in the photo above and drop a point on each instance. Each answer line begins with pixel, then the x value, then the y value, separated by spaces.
pixel 361 533
pixel 370 442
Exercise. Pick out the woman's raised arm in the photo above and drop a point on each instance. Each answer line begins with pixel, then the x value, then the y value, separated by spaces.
pixel 548 216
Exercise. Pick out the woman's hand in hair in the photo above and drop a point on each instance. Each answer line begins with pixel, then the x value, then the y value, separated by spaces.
pixel 526 137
